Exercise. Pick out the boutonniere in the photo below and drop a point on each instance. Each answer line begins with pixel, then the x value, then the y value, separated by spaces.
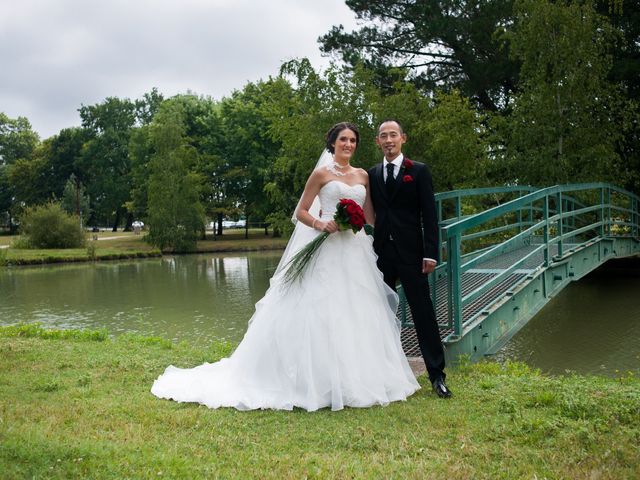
pixel 406 163
pixel 407 179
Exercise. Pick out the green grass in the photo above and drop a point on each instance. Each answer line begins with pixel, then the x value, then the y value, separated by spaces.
pixel 127 245
pixel 78 406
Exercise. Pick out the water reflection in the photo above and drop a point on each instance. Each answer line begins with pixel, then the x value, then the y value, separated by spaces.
pixel 196 297
pixel 592 326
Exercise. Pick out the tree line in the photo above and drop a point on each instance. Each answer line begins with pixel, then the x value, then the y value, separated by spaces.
pixel 497 92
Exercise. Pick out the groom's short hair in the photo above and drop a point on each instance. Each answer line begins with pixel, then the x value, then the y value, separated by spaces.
pixel 387 120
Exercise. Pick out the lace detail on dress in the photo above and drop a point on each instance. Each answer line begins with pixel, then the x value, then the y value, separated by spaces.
pixel 334 190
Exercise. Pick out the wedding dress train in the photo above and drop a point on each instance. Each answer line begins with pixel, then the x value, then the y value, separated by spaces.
pixel 328 340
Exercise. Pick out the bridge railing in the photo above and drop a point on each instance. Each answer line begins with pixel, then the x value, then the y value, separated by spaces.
pixel 455 205
pixel 544 220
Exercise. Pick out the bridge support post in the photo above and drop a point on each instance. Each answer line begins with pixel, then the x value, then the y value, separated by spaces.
pixel 545 230
pixel 560 210
pixel 454 300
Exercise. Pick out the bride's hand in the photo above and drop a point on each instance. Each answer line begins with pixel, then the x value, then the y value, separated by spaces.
pixel 329 227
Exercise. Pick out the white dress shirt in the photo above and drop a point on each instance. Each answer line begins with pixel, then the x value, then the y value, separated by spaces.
pixel 397 162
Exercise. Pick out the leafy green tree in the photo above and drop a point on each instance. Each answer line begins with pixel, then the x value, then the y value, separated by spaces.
pixel 64 159
pixel 106 156
pixel 624 16
pixel 74 199
pixel 561 125
pixel 29 178
pixel 457 148
pixel 17 139
pixel 17 142
pixel 175 214
pixel 441 43
pixel 248 149
pixel 6 199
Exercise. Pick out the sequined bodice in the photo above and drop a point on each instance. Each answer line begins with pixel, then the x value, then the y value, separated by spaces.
pixel 334 190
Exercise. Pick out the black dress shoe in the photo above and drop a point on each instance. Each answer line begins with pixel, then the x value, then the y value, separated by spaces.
pixel 441 388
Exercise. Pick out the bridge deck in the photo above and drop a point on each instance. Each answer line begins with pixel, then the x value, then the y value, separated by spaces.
pixel 470 281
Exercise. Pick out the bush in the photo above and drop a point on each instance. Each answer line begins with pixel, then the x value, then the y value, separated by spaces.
pixel 49 226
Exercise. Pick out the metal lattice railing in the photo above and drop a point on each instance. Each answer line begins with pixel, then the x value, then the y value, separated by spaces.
pixel 540 227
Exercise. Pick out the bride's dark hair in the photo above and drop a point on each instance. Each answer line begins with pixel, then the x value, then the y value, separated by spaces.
pixel 332 134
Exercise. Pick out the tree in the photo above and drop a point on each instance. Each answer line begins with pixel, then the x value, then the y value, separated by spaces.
pixel 457 148
pixel 6 199
pixel 63 159
pixel 248 149
pixel 441 43
pixel 74 199
pixel 17 141
pixel 563 124
pixel 106 155
pixel 624 16
pixel 175 213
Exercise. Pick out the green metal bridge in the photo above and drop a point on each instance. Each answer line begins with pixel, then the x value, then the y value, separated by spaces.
pixel 506 251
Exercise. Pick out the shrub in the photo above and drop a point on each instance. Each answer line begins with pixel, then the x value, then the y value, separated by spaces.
pixel 49 226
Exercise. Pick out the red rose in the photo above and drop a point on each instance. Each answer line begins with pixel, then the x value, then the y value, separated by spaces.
pixel 352 209
pixel 407 179
pixel 407 163
pixel 357 221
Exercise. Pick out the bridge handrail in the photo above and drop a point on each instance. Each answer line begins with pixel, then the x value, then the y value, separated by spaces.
pixel 453 232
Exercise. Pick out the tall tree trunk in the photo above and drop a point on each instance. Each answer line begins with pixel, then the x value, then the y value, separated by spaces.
pixel 129 227
pixel 116 221
pixel 246 225
pixel 219 224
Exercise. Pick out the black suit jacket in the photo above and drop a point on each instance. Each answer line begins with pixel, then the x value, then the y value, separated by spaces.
pixel 408 214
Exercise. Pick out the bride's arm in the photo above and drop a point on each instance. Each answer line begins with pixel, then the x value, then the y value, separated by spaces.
pixel 311 190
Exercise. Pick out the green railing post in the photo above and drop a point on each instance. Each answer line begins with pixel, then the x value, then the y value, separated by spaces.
pixel 608 200
pixel 635 217
pixel 545 229
pixel 560 210
pixel 454 299
pixel 602 232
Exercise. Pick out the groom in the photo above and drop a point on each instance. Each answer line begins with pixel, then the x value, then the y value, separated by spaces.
pixel 406 239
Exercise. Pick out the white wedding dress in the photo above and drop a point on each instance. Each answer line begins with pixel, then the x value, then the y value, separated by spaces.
pixel 329 340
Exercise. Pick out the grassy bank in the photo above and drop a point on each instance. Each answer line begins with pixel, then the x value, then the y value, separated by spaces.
pixel 119 245
pixel 77 405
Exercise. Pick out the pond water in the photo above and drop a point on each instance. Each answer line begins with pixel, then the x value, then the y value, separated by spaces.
pixel 592 326
pixel 199 298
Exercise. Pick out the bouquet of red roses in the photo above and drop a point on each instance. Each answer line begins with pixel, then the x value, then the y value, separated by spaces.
pixel 349 215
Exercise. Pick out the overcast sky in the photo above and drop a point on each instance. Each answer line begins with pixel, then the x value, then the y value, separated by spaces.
pixel 58 54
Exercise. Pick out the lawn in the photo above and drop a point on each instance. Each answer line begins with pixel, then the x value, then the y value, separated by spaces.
pixel 124 245
pixel 77 405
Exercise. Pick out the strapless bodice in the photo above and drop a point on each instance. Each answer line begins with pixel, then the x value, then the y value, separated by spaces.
pixel 334 190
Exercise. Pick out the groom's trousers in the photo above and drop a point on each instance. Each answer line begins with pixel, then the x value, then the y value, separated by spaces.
pixel 416 289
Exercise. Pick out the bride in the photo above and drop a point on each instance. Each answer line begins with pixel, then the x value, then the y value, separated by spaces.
pixel 330 339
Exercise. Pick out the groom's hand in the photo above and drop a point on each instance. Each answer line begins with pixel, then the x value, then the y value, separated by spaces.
pixel 428 265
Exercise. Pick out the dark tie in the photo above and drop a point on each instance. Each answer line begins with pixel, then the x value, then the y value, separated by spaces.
pixel 390 183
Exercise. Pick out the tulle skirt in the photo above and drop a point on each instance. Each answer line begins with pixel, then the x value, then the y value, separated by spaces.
pixel 329 340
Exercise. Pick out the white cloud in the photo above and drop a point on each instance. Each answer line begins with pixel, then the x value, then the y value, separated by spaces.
pixel 57 55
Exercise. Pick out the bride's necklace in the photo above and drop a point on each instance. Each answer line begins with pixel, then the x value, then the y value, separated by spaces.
pixel 333 168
